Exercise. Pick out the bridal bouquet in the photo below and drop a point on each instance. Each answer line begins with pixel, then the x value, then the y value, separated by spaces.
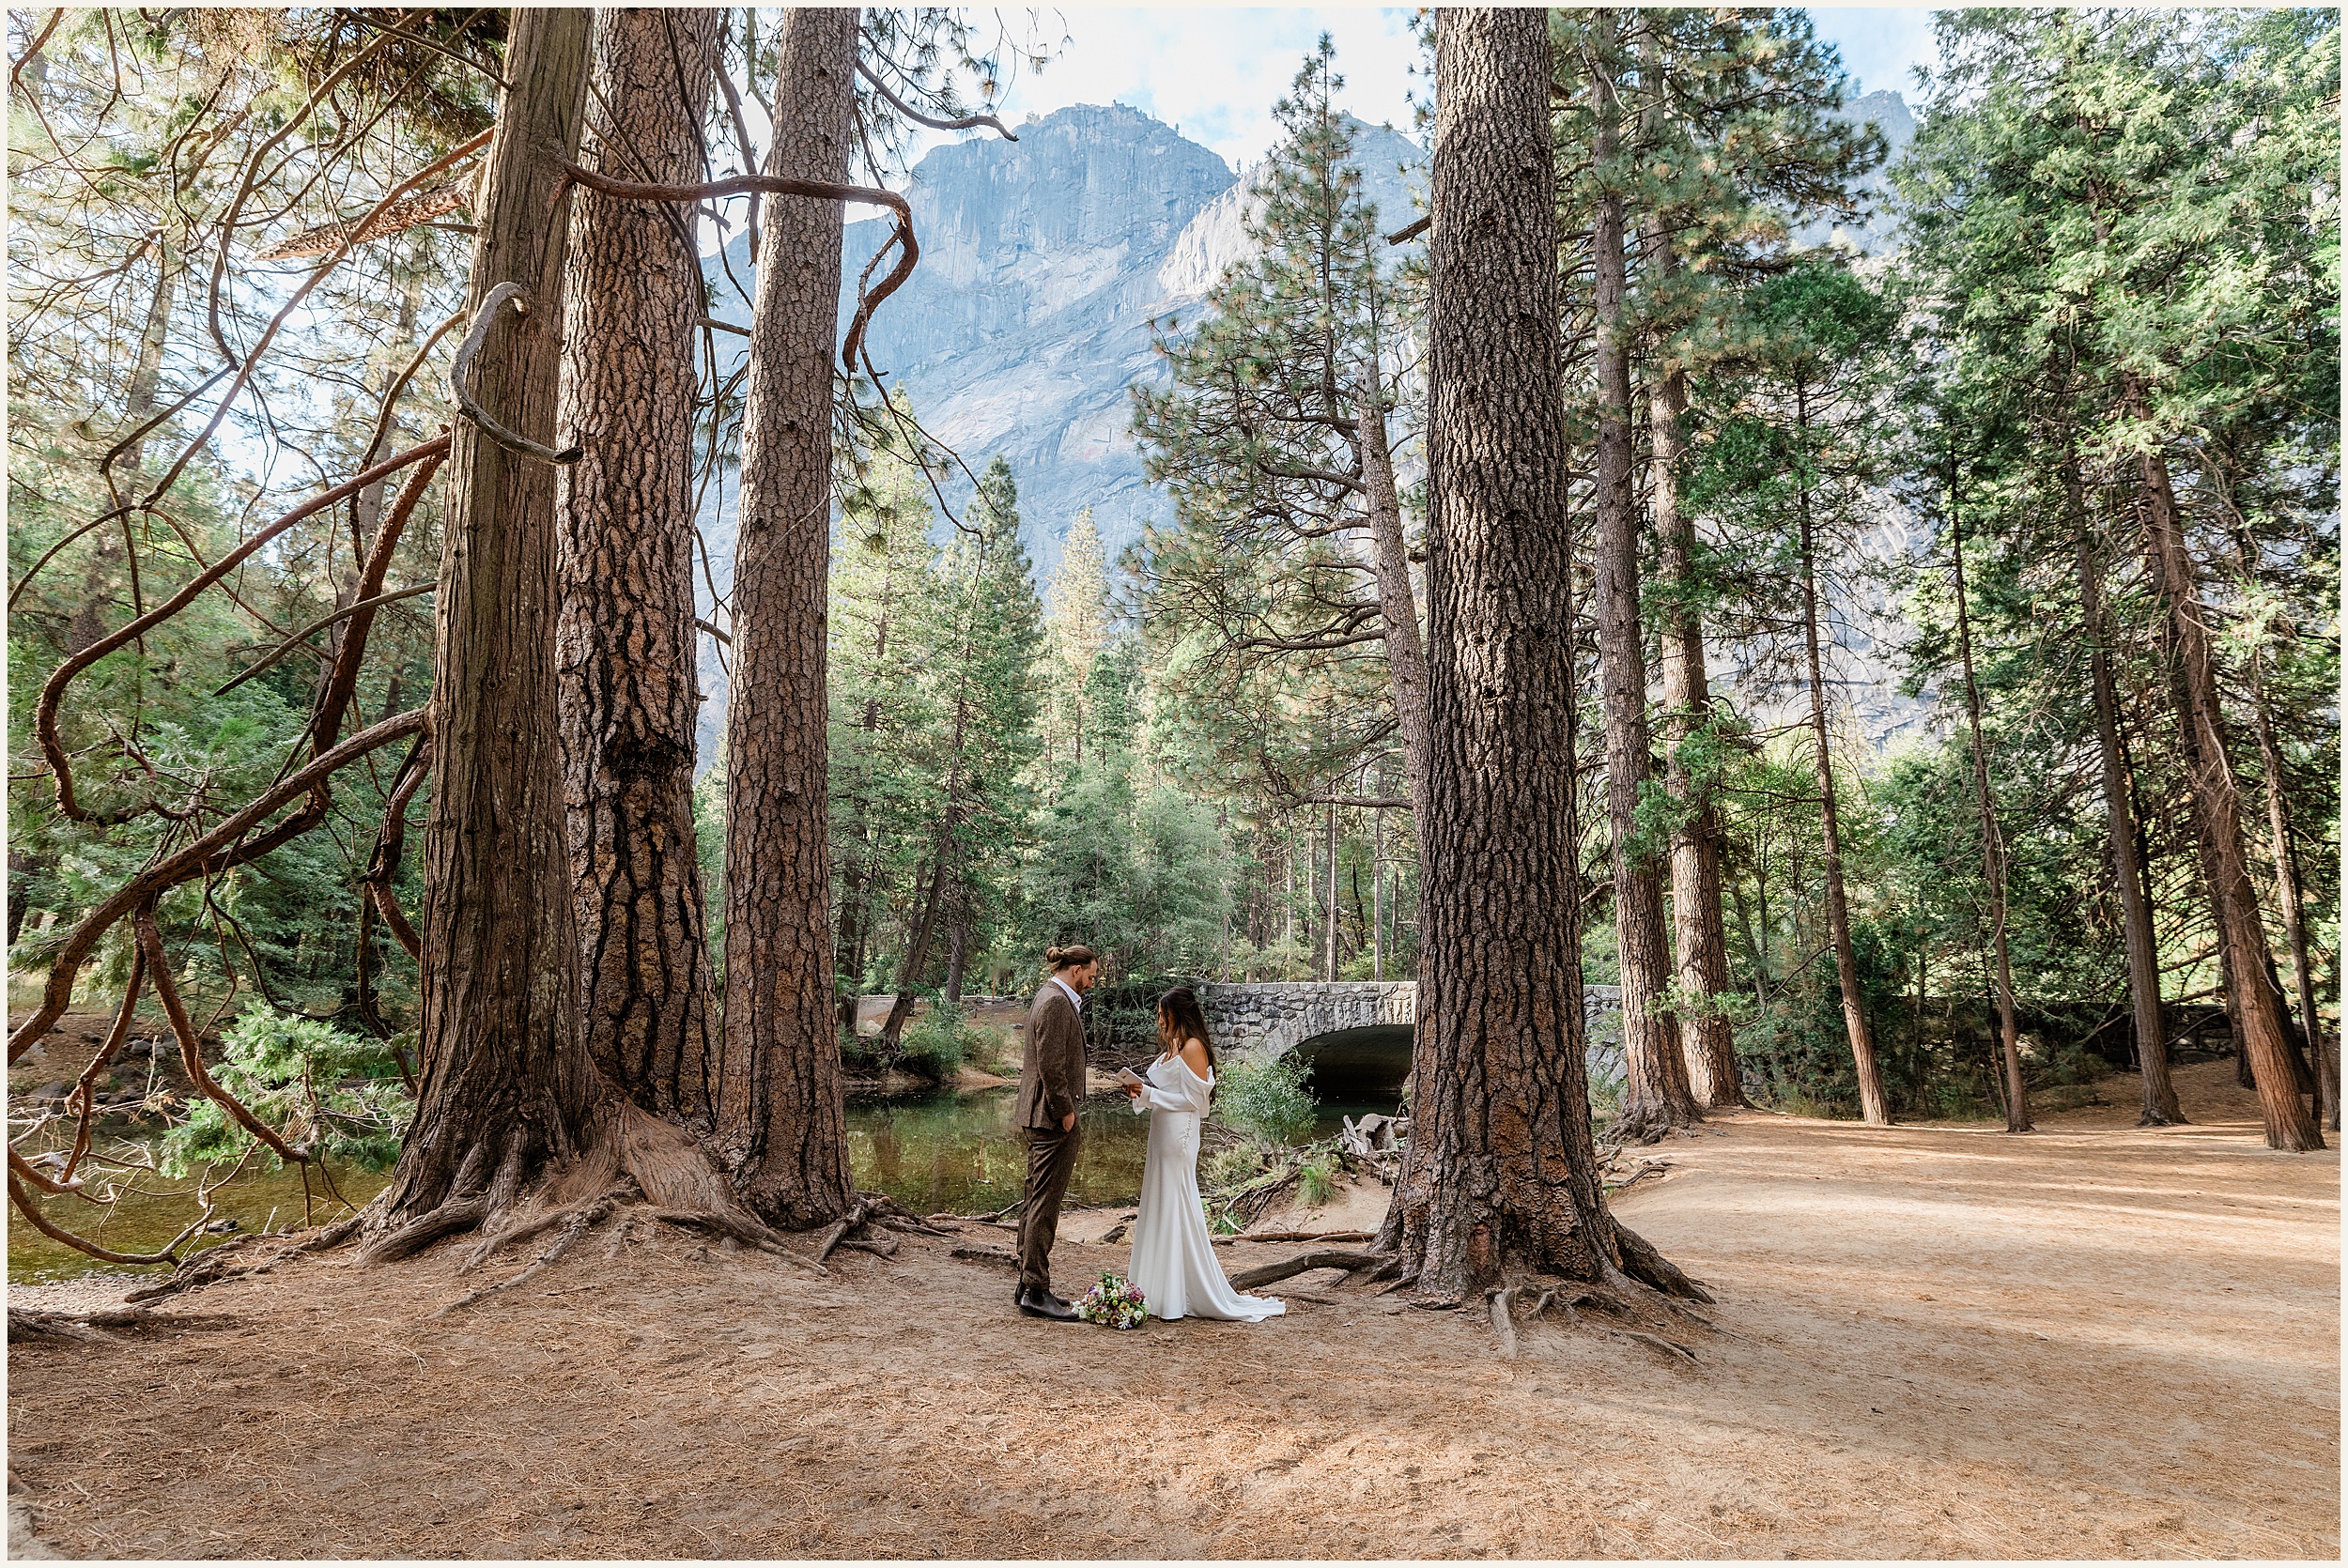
pixel 1114 1302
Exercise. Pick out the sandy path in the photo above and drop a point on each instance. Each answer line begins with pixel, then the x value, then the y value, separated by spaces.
pixel 1937 1342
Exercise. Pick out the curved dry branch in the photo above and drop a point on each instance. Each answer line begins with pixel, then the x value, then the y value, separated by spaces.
pixel 53 692
pixel 342 684
pixel 781 185
pixel 268 335
pixel 313 629
pixel 150 939
pixel 966 122
pixel 29 1206
pixel 460 381
pixel 216 850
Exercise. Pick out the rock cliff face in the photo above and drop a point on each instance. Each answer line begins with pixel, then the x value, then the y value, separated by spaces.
pixel 1042 263
pixel 1026 323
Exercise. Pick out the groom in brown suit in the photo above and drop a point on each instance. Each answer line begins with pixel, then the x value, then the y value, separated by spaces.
pixel 1051 1087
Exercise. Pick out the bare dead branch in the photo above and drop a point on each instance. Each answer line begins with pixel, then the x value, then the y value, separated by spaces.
pixel 460 381
pixel 967 122
pixel 315 627
pixel 780 185
pixel 53 692
pixel 215 850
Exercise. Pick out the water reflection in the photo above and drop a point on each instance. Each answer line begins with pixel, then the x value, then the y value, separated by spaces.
pixel 938 1152
pixel 151 1210
pixel 948 1152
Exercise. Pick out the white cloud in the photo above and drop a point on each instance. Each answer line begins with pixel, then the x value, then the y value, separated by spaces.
pixel 1213 73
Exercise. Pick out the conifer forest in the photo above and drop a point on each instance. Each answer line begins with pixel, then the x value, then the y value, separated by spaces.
pixel 545 722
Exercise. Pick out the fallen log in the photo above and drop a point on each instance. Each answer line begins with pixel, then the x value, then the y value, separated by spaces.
pixel 1297 1235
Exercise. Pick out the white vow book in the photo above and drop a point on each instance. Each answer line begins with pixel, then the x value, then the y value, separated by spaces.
pixel 1127 1075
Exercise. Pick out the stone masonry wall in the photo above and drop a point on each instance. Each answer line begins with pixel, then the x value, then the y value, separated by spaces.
pixel 1272 1018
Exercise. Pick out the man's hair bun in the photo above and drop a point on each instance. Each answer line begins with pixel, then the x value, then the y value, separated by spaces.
pixel 1070 956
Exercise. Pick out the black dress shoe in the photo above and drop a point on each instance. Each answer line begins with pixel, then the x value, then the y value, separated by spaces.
pixel 1043 1303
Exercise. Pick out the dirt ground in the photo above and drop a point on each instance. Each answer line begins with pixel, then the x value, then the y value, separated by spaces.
pixel 1932 1341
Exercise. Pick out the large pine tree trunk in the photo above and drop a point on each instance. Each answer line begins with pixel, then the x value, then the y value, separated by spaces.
pixel 1992 849
pixel 2152 1040
pixel 1700 938
pixel 1501 1172
pixel 1656 1094
pixel 1873 1103
pixel 782 1109
pixel 506 1087
pixel 2217 814
pixel 626 649
pixel 2287 896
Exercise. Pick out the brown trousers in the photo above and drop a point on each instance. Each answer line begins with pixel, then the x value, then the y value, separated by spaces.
pixel 1051 1161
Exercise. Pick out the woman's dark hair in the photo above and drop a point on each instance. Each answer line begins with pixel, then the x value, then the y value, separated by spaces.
pixel 1069 957
pixel 1180 1019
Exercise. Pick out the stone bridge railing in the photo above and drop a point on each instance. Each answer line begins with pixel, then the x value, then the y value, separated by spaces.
pixel 1273 1018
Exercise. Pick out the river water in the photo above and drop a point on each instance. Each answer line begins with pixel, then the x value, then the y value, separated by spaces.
pixel 933 1152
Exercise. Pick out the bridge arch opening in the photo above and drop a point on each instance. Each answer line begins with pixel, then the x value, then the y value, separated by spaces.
pixel 1366 1063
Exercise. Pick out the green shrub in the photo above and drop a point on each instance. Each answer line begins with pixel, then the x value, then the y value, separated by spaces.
pixel 1267 1099
pixel 936 1043
pixel 318 1088
pixel 1316 1176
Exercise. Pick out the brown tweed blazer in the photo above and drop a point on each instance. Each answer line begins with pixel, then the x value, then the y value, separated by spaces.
pixel 1052 1070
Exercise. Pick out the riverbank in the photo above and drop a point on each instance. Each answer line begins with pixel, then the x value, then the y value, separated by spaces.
pixel 1932 1341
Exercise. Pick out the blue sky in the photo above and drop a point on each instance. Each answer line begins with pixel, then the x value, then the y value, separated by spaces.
pixel 1213 72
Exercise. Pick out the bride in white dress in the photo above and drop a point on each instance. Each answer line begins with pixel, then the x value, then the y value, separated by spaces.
pixel 1173 1260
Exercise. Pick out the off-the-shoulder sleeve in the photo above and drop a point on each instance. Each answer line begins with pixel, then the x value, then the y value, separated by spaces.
pixel 1190 1096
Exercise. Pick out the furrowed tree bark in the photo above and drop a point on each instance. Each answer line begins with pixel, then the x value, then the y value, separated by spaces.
pixel 918 948
pixel 506 1087
pixel 2152 1039
pixel 1655 1094
pixel 1992 840
pixel 626 648
pixel 1501 1170
pixel 1700 938
pixel 1874 1105
pixel 2287 898
pixel 2218 809
pixel 781 1121
pixel 1397 600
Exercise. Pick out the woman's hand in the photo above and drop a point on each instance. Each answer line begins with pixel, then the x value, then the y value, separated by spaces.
pixel 1133 1091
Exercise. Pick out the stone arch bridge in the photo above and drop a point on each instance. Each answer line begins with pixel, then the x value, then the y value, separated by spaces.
pixel 1356 1034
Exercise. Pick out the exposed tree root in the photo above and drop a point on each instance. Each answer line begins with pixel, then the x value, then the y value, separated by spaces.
pixel 602 1205
pixel 23 1324
pixel 226 1261
pixel 581 1218
pixel 1641 1124
pixel 1302 1264
pixel 1651 1268
pixel 999 1257
pixel 1657 1341
pixel 742 1229
pixel 840 1227
pixel 456 1214
pixel 1501 1302
pixel 627 1149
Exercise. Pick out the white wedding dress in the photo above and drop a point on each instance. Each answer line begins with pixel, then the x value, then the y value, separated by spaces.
pixel 1173 1260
